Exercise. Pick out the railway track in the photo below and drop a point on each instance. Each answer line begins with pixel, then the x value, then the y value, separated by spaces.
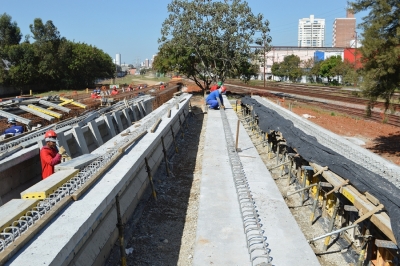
pixel 320 93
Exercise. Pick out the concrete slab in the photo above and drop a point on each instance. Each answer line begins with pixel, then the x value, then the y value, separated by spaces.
pixel 219 238
pixel 286 241
pixel 76 163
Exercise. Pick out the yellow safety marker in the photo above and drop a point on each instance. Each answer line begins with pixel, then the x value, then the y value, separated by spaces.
pixel 47 186
pixel 70 101
pixel 65 102
pixel 45 111
pixel 13 210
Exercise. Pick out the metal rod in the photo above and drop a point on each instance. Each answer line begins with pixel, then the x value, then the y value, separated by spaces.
pixel 120 226
pixel 148 170
pixel 237 135
pixel 301 189
pixel 165 156
pixel 173 137
pixel 180 126
pixel 328 235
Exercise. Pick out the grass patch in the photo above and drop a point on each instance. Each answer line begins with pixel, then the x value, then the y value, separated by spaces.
pixel 332 113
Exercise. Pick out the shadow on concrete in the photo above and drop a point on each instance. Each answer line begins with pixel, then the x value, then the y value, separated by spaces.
pixel 155 230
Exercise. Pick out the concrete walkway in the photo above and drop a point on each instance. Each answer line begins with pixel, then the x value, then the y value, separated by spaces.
pixel 219 238
pixel 286 241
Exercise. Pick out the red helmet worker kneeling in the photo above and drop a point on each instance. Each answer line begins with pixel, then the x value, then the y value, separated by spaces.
pixel 49 154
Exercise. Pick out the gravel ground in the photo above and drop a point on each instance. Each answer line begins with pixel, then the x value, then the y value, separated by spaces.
pixel 163 232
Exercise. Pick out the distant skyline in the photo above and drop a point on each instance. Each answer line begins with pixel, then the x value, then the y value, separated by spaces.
pixel 132 28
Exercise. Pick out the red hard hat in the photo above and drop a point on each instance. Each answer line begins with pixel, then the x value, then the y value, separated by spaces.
pixel 50 134
pixel 223 89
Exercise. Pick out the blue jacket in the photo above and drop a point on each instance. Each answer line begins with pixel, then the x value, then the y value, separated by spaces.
pixel 213 96
pixel 15 130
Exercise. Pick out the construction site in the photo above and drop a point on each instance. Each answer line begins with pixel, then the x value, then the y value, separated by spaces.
pixel 275 176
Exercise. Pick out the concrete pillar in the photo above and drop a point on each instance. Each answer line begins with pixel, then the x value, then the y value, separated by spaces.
pixel 128 118
pixel 117 116
pixel 96 133
pixel 80 139
pixel 133 109
pixel 108 120
pixel 145 111
pixel 62 141
pixel 141 113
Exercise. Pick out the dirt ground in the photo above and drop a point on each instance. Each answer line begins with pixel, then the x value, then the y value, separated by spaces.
pixel 163 231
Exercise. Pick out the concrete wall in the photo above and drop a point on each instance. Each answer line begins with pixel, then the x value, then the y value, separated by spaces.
pixel 23 169
pixel 86 230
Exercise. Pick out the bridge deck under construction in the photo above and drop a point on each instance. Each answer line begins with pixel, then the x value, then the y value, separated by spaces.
pixel 243 218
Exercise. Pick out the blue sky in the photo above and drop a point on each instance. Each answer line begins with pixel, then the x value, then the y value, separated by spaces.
pixel 132 28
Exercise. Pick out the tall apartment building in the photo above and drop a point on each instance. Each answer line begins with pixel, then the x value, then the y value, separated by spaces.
pixel 344 30
pixel 311 32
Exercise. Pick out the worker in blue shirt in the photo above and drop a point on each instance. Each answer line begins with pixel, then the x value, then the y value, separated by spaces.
pixel 212 101
pixel 13 129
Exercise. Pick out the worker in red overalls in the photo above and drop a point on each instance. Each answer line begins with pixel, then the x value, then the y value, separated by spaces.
pixel 49 154
pixel 114 91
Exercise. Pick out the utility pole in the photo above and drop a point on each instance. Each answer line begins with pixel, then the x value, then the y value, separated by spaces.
pixel 355 57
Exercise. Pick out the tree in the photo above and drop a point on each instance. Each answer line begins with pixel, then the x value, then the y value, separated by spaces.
pixel 307 68
pixel 381 48
pixel 207 40
pixel 276 70
pixel 316 70
pixel 291 67
pixel 10 33
pixel 329 66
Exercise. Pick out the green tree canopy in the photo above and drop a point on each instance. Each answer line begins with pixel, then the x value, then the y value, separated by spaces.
pixel 289 67
pixel 381 47
pixel 207 40
pixel 54 62
pixel 329 67
pixel 10 33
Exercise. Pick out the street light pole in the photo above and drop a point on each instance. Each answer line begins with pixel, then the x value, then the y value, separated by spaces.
pixel 264 64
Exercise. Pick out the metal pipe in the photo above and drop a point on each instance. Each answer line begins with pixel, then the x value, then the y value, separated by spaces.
pixel 328 235
pixel 301 189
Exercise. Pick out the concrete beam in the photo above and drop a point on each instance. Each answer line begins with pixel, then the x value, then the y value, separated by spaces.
pixel 80 139
pixel 96 133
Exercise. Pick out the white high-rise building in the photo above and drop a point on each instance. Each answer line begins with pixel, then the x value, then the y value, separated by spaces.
pixel 311 32
pixel 118 59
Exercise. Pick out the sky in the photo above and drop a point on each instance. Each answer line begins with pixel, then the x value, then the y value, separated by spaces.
pixel 132 27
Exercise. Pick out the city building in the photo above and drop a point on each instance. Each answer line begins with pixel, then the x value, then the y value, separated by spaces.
pixel 311 32
pixel 344 31
pixel 118 59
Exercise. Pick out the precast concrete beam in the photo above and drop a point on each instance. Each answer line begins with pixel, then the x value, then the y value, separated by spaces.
pixel 80 139
pixel 96 133
pixel 127 116
pixel 76 163
pixel 89 224
pixel 117 117
pixel 110 125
